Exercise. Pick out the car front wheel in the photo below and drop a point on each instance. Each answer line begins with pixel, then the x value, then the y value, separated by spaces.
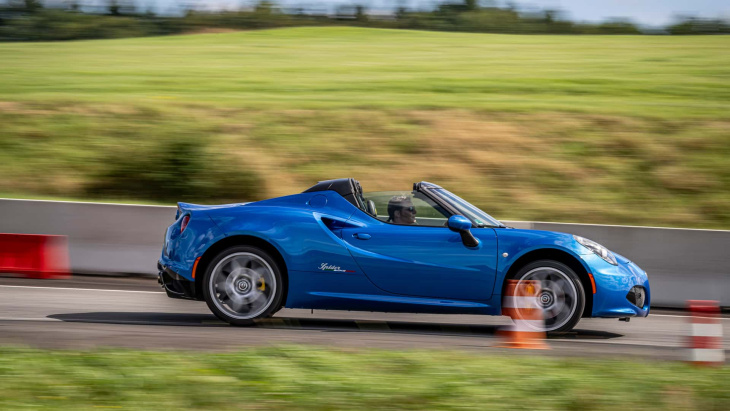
pixel 243 284
pixel 561 293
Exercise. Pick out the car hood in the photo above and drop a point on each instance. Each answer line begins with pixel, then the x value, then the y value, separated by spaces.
pixel 529 239
pixel 525 239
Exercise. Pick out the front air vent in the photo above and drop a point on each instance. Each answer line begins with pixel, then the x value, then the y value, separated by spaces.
pixel 637 296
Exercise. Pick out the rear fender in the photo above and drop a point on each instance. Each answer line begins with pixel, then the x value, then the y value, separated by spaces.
pixel 293 226
pixel 183 248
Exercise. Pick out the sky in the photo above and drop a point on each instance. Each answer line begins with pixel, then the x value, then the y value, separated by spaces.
pixel 645 12
pixel 649 12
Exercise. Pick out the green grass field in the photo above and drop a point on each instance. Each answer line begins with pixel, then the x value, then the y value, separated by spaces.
pixel 593 129
pixel 300 377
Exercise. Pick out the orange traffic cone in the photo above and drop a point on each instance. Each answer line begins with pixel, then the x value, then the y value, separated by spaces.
pixel 520 303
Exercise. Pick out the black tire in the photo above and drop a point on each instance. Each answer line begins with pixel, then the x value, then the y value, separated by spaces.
pixel 562 296
pixel 252 288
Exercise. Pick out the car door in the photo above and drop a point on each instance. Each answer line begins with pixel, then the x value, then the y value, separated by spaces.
pixel 425 259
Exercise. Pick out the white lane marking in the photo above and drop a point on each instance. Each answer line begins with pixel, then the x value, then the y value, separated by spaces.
pixel 111 322
pixel 162 292
pixel 82 289
pixel 681 316
pixel 28 319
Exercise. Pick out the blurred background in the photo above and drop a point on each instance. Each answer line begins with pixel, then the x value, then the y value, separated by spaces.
pixel 603 112
pixel 534 110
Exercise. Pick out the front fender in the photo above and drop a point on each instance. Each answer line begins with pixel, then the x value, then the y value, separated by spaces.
pixel 513 244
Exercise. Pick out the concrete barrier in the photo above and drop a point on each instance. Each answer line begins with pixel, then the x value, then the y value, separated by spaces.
pixel 682 264
pixel 103 238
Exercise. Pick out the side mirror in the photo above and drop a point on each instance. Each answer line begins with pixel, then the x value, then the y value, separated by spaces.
pixel 462 225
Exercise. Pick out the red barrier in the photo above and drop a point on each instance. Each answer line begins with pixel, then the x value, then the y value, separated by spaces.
pixel 34 256
pixel 705 340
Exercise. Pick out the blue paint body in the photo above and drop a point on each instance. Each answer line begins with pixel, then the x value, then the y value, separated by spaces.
pixel 387 267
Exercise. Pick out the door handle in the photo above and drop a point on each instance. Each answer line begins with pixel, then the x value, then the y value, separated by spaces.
pixel 361 236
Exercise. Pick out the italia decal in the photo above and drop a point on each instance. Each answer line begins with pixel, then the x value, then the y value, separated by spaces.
pixel 333 268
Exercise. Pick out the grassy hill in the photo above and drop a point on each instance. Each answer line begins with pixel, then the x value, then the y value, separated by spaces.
pixel 594 129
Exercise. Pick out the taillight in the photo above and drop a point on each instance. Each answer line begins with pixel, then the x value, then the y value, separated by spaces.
pixel 184 223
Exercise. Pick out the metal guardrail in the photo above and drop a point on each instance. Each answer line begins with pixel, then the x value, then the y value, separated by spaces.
pixel 104 238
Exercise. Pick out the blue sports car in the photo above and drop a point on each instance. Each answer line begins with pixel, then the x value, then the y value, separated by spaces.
pixel 335 247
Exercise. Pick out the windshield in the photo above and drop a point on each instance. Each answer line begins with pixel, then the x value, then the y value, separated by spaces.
pixel 479 217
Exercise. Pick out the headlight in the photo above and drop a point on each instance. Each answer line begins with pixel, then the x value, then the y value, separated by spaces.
pixel 600 250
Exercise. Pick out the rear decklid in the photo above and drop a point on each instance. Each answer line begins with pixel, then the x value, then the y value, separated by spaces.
pixel 189 207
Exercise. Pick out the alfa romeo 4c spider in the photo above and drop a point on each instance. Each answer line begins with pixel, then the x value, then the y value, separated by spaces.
pixel 425 250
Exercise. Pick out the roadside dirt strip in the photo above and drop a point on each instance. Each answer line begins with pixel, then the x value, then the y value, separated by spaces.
pixel 88 312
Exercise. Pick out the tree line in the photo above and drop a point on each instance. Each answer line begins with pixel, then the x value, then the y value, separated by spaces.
pixel 31 20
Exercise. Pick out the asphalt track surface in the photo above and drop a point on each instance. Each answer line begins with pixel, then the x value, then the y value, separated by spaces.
pixel 89 312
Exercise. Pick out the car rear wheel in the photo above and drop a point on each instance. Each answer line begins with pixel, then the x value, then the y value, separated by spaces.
pixel 561 293
pixel 243 284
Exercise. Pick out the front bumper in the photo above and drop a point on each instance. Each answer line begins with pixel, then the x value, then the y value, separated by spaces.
pixel 618 288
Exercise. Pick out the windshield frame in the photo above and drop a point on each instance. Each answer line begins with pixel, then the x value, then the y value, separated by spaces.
pixel 459 206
